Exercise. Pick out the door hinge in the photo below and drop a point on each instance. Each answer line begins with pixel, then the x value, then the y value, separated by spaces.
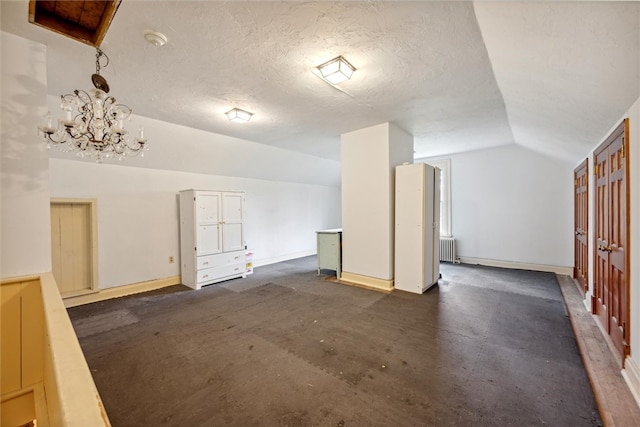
pixel 596 168
pixel 624 329
pixel 622 149
pixel 575 182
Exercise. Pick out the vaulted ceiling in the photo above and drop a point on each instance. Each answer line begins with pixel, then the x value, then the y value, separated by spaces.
pixel 551 76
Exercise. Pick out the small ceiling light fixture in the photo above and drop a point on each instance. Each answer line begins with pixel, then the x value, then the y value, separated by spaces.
pixel 337 70
pixel 238 115
pixel 93 125
pixel 155 38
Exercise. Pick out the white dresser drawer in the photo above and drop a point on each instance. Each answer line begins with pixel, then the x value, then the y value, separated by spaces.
pixel 219 260
pixel 217 273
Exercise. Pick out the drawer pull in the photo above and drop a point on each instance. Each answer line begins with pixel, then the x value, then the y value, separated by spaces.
pixel 205 276
pixel 205 263
pixel 238 257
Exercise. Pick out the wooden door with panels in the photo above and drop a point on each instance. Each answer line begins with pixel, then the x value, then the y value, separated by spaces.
pixel 611 255
pixel 73 246
pixel 581 225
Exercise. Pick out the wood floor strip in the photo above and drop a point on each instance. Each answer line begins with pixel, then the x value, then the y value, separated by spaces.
pixel 615 402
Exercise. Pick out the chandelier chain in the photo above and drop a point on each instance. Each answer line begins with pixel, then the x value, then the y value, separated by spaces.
pixel 99 54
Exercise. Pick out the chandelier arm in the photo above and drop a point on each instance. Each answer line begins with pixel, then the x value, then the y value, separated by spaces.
pixel 50 137
pixel 89 122
pixel 110 115
pixel 74 135
pixel 83 96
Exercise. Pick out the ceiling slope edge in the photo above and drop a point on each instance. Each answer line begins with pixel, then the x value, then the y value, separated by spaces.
pixel 567 71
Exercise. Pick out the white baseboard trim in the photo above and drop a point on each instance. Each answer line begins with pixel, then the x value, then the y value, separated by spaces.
pixel 368 282
pixel 121 291
pixel 267 261
pixel 631 374
pixel 587 301
pixel 518 265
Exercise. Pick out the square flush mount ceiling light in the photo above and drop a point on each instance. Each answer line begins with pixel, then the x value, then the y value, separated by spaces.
pixel 337 70
pixel 238 115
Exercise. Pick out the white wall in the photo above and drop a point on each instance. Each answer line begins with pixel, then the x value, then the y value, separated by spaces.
pixel 137 210
pixel 512 204
pixel 24 188
pixel 369 157
pixel 180 148
pixel 289 196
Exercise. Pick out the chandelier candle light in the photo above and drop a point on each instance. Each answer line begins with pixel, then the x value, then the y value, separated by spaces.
pixel 93 125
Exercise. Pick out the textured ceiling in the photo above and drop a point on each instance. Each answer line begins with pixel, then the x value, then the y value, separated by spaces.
pixel 551 77
pixel 567 70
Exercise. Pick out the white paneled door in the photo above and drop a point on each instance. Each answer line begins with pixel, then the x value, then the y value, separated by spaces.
pixel 72 247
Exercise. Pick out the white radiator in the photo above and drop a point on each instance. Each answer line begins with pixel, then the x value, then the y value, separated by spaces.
pixel 448 249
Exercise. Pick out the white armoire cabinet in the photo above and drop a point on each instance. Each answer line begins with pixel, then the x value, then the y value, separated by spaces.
pixel 212 244
pixel 417 227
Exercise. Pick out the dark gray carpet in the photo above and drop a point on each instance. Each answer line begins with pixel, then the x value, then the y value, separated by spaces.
pixel 284 347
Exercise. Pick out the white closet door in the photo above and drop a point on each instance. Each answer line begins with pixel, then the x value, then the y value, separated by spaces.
pixel 232 219
pixel 208 240
pixel 209 220
pixel 208 208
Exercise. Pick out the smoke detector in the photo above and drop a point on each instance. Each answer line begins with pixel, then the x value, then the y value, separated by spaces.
pixel 155 38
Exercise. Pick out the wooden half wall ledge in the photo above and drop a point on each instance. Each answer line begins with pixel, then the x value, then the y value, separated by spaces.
pixel 59 390
pixel 618 405
pixel 121 291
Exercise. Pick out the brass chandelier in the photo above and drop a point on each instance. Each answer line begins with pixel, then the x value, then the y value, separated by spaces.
pixel 93 124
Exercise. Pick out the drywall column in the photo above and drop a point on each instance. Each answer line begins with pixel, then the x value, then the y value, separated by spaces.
pixel 369 158
pixel 24 171
pixel 631 372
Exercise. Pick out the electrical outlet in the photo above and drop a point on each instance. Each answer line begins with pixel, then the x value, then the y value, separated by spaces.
pixel 171 260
